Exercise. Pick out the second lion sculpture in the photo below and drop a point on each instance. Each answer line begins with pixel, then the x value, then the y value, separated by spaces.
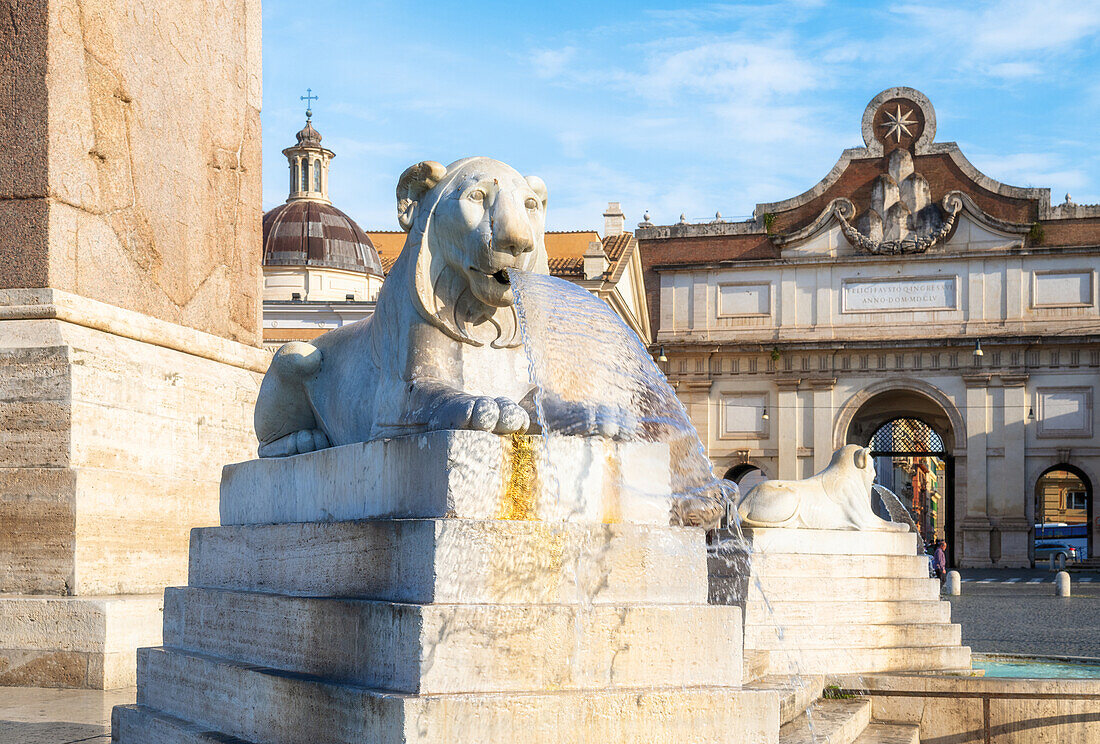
pixel 837 498
pixel 442 350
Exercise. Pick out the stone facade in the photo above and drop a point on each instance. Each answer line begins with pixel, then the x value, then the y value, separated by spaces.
pixel 864 299
pixel 130 174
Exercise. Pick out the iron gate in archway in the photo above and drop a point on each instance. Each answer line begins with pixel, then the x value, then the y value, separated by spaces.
pixel 912 461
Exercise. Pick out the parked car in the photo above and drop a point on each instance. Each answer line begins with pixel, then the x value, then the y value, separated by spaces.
pixel 1061 552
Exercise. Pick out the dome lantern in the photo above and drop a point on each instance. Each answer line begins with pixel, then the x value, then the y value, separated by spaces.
pixel 308 162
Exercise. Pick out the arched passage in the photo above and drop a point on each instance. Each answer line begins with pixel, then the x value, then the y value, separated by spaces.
pixel 911 429
pixel 1063 511
pixel 746 475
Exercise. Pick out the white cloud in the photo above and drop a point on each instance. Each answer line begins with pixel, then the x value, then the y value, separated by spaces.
pixel 722 68
pixel 1032 169
pixel 1005 39
pixel 551 63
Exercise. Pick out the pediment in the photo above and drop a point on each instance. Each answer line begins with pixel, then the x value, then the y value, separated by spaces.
pixel 903 193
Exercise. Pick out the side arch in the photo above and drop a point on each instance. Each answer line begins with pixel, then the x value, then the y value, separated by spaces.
pixel 1089 479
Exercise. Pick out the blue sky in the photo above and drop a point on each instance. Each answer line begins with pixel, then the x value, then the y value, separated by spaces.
pixel 672 107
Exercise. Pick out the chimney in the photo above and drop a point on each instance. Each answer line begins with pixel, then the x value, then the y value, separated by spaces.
pixel 613 220
pixel 595 260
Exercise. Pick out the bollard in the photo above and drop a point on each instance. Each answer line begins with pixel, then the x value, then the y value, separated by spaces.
pixel 1061 584
pixel 1057 562
pixel 954 583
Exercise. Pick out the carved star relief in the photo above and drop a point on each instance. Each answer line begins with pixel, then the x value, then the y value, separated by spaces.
pixel 898 124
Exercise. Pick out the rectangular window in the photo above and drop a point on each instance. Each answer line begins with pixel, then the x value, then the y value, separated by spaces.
pixel 1077 500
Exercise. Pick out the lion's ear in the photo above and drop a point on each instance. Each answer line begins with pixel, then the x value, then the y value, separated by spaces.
pixel 416 181
pixel 539 187
pixel 861 458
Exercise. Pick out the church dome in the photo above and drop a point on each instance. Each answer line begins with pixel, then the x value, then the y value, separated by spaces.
pixel 305 232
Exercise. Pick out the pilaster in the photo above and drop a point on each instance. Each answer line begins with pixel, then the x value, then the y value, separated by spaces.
pixel 695 395
pixel 975 527
pixel 1008 505
pixel 787 425
pixel 823 421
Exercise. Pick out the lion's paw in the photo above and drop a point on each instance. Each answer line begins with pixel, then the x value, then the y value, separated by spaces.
pixel 480 413
pixel 297 443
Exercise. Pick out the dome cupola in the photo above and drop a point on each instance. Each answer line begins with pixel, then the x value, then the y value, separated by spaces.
pixel 308 162
pixel 312 250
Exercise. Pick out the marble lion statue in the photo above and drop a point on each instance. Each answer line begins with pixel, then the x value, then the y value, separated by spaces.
pixel 442 350
pixel 837 498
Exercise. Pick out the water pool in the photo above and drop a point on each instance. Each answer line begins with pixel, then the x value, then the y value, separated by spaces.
pixel 1035 667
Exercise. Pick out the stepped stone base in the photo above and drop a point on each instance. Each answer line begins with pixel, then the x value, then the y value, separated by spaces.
pixel 260 704
pixel 83 642
pixel 373 593
pixel 834 602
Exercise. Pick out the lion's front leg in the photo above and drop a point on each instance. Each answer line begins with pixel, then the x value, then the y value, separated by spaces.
pixel 444 407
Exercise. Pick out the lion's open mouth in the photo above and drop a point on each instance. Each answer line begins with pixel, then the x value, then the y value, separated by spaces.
pixel 501 275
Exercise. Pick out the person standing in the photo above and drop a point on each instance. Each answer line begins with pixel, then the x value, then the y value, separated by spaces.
pixel 939 560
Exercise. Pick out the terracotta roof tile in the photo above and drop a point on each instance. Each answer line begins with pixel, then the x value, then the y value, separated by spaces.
pixel 567 268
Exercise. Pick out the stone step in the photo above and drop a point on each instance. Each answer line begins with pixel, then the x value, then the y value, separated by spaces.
pixel 854 590
pixel 890 733
pixel 437 648
pixel 262 705
pixel 831 542
pixel 828 722
pixel 456 561
pixel 822 566
pixel 138 724
pixel 848 660
pixel 82 642
pixel 461 474
pixel 835 612
pixel 796 694
pixel 854 636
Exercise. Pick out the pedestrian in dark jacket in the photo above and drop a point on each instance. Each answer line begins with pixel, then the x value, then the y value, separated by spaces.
pixel 939 560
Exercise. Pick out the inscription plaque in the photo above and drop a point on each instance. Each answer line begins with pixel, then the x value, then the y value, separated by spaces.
pixel 918 293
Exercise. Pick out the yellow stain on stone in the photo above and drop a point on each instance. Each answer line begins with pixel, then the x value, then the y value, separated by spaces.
pixel 520 489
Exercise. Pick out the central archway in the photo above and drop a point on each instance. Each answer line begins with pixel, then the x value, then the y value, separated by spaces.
pixel 911 428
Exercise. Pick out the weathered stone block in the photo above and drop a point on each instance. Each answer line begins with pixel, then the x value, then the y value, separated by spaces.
pixel 463 474
pixel 456 561
pixel 113 444
pixel 440 648
pixel 75 641
pixel 258 704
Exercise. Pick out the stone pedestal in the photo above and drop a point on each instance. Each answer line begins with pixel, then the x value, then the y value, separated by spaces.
pixel 836 602
pixel 116 427
pixel 130 229
pixel 415 613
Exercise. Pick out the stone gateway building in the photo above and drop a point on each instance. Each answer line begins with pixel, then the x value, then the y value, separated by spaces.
pixel 907 302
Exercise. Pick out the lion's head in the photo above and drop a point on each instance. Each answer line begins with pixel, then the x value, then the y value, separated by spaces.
pixel 468 223
pixel 856 462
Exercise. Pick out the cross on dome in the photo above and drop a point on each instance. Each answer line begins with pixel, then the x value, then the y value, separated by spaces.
pixel 308 98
